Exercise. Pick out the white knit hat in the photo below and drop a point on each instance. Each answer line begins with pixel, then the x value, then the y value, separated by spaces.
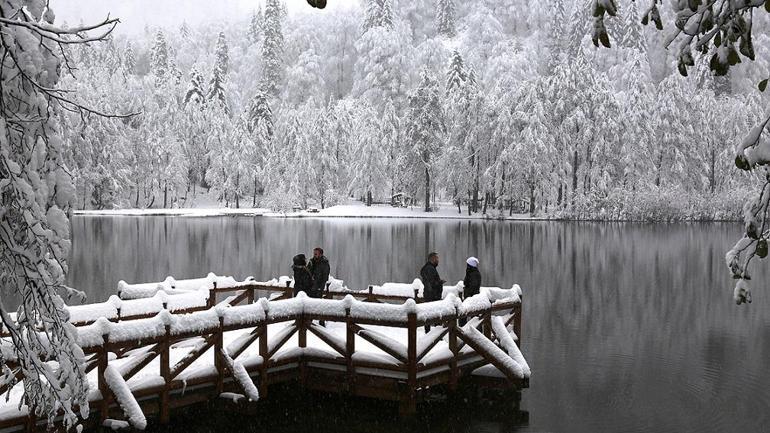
pixel 473 261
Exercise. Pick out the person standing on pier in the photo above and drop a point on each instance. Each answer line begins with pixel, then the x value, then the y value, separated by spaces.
pixel 319 269
pixel 471 282
pixel 432 283
pixel 303 280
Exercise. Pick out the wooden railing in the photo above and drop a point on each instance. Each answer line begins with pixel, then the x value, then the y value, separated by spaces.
pixel 400 375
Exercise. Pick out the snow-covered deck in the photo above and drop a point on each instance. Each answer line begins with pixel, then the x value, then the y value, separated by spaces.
pixel 369 348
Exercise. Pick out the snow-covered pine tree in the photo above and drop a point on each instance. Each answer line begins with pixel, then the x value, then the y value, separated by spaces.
pixel 159 57
pixel 259 118
pixel 173 71
pixel 445 18
pixel 378 13
pixel 457 75
pixel 370 176
pixel 217 93
pixel 184 31
pixel 195 91
pixel 221 55
pixel 272 48
pixel 425 130
pixel 36 193
pixel 372 13
pixel 386 14
pixel 255 26
pixel 129 60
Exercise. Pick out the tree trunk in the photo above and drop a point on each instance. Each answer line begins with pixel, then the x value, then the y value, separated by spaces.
pixel 470 198
pixel 574 175
pixel 368 198
pixel 532 199
pixel 254 196
pixel 486 200
pixel 427 190
pixel 165 194
pixel 712 177
pixel 237 188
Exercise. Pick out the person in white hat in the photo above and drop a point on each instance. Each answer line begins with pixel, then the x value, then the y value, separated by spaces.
pixel 472 281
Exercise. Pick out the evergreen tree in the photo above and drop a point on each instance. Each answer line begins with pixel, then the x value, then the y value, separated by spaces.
pixel 184 31
pixel 217 89
pixel 378 13
pixel 425 130
pixel 372 13
pixel 445 18
pixel 386 14
pixel 457 76
pixel 174 72
pixel 272 48
pixel 259 118
pixel 255 25
pixel 194 91
pixel 159 57
pixel 221 55
pixel 129 61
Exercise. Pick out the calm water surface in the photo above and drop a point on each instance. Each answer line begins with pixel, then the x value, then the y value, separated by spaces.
pixel 627 327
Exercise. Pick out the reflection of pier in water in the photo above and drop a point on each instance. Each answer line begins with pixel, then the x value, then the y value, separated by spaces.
pixel 164 346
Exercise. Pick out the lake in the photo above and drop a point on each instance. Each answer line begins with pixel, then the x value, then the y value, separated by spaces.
pixel 627 327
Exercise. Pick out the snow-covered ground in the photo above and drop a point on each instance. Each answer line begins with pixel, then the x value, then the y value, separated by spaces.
pixel 354 209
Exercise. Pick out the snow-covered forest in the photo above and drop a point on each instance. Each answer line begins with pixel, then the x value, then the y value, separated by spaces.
pixel 486 106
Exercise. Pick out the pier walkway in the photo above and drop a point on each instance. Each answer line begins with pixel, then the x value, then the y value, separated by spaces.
pixel 161 346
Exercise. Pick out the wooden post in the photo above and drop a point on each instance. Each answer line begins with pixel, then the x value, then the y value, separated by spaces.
pixel 212 296
pixel 165 372
pixel 218 361
pixel 263 352
pixel 302 343
pixel 287 292
pixel 328 292
pixel 517 321
pixel 411 364
pixel 416 293
pixel 104 406
pixel 31 424
pixel 486 324
pixel 370 298
pixel 250 296
pixel 350 349
pixel 453 371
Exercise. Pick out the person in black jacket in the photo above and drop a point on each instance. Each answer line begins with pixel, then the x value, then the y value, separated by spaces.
pixel 319 268
pixel 472 281
pixel 303 280
pixel 432 283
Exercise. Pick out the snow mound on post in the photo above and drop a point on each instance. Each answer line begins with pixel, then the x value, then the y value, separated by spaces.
pixel 125 398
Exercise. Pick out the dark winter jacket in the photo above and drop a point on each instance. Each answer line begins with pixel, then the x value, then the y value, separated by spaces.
pixel 319 268
pixel 432 282
pixel 303 280
pixel 471 282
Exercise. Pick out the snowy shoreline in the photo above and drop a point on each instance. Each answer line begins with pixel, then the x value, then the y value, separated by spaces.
pixel 342 211
pixel 359 211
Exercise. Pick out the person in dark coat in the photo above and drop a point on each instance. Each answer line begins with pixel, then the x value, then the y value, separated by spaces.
pixel 471 282
pixel 319 268
pixel 303 280
pixel 432 283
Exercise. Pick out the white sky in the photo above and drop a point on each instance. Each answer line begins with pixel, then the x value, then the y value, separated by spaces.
pixel 134 14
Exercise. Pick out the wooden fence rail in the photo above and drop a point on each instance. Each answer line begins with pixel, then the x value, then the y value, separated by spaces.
pixel 400 372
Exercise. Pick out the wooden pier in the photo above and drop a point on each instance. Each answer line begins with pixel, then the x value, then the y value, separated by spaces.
pixel 362 343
